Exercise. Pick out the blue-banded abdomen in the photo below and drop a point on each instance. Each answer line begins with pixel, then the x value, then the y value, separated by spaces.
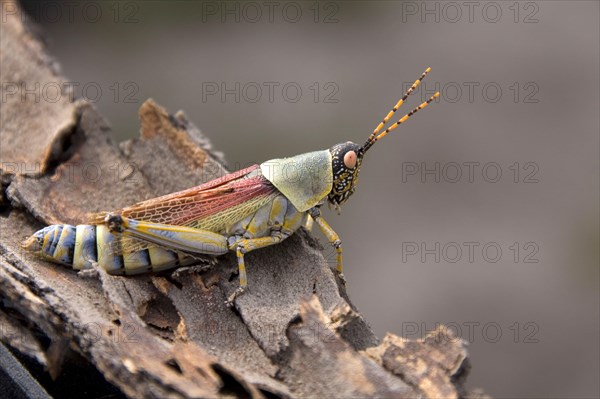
pixel 143 246
pixel 81 246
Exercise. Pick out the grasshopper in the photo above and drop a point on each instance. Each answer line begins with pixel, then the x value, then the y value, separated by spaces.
pixel 243 211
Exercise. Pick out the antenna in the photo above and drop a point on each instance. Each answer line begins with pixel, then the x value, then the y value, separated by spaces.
pixel 374 137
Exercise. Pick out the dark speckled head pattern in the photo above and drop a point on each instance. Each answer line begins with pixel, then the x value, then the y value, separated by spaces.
pixel 344 178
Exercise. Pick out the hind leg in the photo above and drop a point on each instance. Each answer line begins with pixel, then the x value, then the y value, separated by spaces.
pixel 178 238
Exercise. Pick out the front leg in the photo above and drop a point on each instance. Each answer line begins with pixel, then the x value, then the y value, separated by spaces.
pixel 332 236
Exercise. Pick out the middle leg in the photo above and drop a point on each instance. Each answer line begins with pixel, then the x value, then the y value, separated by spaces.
pixel 244 246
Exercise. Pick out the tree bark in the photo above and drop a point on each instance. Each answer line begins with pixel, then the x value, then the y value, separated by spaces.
pixel 294 333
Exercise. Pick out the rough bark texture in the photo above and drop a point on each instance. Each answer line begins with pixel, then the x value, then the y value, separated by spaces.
pixel 293 334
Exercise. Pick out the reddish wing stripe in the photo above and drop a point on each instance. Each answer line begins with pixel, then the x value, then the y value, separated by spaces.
pixel 186 210
pixel 206 187
pixel 171 207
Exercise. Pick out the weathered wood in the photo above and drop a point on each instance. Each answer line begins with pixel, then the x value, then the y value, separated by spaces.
pixel 294 333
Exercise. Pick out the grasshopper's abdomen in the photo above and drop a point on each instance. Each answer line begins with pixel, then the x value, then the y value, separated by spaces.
pixel 81 246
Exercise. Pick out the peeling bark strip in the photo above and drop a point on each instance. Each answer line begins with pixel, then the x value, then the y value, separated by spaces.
pixel 293 334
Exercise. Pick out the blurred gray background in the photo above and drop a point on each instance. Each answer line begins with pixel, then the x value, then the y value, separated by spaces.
pixel 480 213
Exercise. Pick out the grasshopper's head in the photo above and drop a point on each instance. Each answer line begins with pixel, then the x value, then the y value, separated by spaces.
pixel 347 157
pixel 345 165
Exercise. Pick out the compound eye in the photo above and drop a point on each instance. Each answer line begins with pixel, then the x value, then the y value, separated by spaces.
pixel 350 159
